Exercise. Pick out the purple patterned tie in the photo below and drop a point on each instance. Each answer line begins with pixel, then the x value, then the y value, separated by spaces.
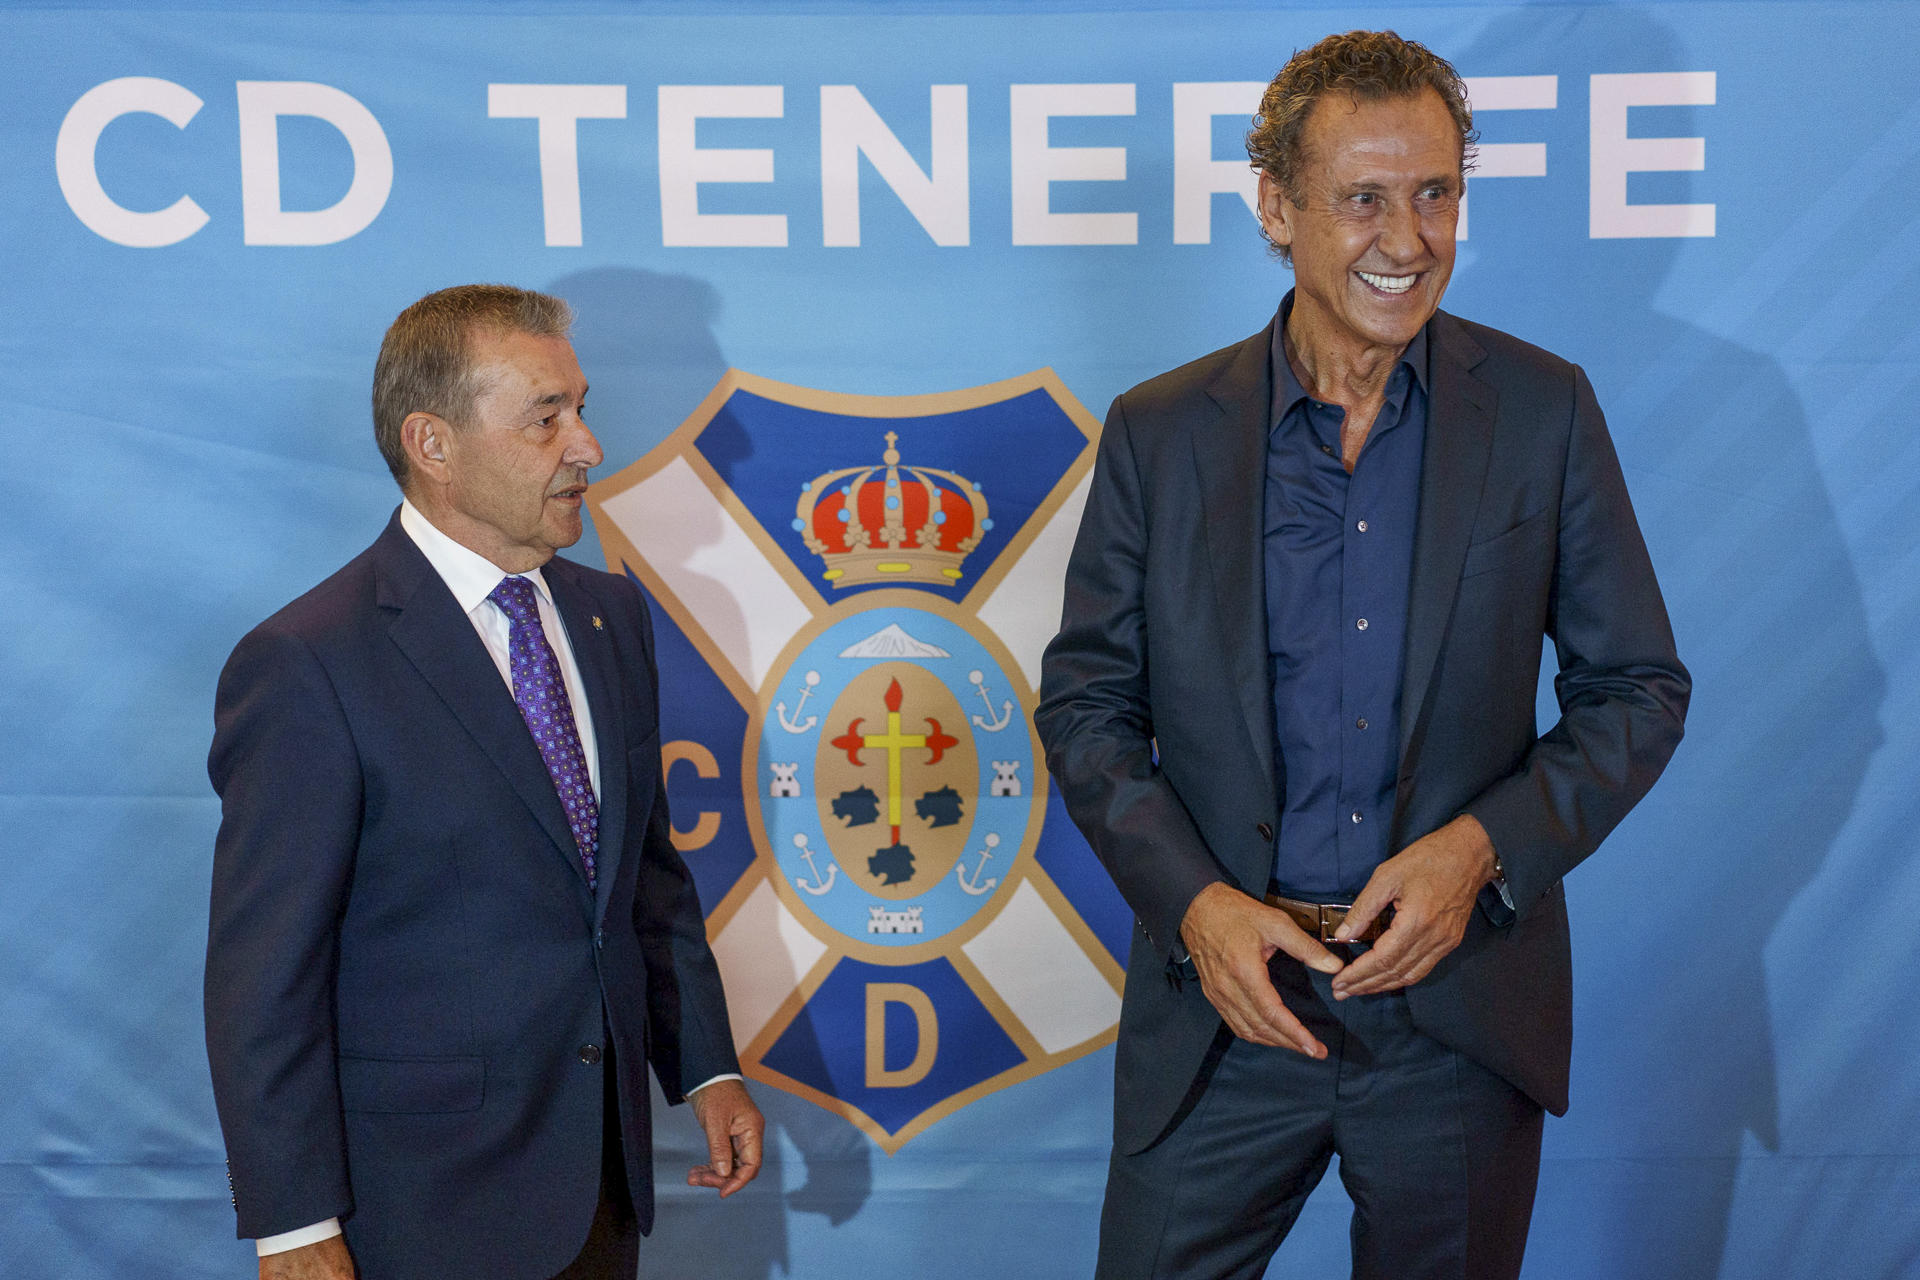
pixel 542 697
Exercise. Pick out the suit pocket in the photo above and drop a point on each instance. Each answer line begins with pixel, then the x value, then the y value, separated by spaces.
pixel 412 1085
pixel 1506 547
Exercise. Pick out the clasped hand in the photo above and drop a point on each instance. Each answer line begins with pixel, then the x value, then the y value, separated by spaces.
pixel 1431 886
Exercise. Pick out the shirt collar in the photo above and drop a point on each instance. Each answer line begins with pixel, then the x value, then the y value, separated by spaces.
pixel 468 574
pixel 1287 390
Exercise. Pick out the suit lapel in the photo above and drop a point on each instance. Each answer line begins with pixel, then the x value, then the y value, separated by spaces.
pixel 1459 445
pixel 440 642
pixel 1229 453
pixel 593 652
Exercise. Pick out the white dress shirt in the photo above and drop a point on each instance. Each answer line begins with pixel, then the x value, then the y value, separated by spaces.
pixel 472 577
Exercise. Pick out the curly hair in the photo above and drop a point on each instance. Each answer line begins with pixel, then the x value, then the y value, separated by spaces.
pixel 1365 65
pixel 424 363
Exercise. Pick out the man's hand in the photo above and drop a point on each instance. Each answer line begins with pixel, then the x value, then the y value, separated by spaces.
pixel 734 1127
pixel 322 1260
pixel 1431 885
pixel 1231 937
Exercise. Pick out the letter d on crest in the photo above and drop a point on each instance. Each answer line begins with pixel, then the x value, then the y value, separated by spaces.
pixel 926 1034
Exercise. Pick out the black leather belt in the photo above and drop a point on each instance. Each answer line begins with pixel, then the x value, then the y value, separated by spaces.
pixel 1320 919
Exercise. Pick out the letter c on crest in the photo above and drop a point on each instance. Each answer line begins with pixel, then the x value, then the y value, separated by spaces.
pixel 708 825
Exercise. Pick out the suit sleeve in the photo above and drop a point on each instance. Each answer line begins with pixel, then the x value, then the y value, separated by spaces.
pixel 690 1040
pixel 1095 716
pixel 284 764
pixel 1621 687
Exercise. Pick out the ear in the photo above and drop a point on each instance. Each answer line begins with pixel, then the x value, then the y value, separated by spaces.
pixel 426 438
pixel 1276 211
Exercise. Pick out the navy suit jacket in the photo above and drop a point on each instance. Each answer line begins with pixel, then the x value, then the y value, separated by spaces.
pixel 409 985
pixel 1156 707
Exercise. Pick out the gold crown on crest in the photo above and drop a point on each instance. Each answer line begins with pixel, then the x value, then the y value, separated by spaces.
pixel 900 524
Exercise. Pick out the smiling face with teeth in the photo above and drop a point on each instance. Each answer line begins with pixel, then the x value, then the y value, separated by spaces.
pixel 507 483
pixel 1371 228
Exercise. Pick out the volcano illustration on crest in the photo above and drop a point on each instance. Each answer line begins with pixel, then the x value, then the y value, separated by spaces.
pixel 892 642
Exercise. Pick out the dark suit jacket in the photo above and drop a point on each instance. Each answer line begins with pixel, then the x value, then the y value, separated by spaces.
pixel 405 967
pixel 1524 530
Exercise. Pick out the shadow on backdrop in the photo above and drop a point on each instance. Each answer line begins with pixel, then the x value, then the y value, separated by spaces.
pixel 646 343
pixel 1676 1059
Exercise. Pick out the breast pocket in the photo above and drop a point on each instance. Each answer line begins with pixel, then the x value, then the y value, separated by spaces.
pixel 1519 545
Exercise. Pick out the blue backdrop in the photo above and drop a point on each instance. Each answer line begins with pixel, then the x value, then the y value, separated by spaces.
pixel 1709 205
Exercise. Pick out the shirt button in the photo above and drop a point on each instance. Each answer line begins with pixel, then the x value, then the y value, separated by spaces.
pixel 1361 723
pixel 590 1053
pixel 1362 526
pixel 1356 815
pixel 1360 625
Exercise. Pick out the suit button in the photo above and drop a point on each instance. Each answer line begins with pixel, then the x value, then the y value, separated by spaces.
pixel 1265 829
pixel 590 1054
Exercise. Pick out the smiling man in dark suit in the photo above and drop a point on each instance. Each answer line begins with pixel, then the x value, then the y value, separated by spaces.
pixel 449 928
pixel 1291 705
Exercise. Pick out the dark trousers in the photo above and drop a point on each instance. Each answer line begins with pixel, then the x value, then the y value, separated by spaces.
pixel 612 1248
pixel 1439 1155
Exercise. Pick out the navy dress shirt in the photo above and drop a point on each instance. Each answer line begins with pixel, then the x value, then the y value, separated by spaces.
pixel 1338 553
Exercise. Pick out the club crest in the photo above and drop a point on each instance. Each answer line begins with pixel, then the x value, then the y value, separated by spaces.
pixel 850 595
pixel 897 786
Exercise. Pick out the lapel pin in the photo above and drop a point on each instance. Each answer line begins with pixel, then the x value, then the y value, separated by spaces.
pixel 597 624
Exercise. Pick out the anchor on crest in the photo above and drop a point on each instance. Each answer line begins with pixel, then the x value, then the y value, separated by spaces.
pixel 990 722
pixel 816 886
pixel 813 679
pixel 973 886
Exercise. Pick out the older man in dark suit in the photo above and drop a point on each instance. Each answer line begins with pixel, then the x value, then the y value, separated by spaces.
pixel 449 928
pixel 1291 705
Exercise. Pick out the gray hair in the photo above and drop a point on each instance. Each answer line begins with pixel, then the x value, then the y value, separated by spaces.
pixel 1367 66
pixel 425 363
